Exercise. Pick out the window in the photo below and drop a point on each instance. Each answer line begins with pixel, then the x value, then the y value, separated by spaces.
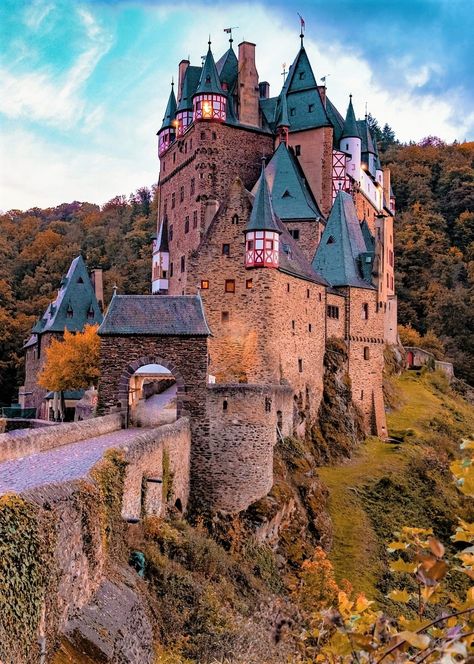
pixel 174 157
pixel 361 395
pixel 365 311
pixel 80 280
pixel 165 274
pixel 226 249
pixel 292 111
pixel 225 316
pixel 193 186
pixel 285 194
pixel 214 135
pixel 366 353
pixel 307 293
pixel 311 108
pixel 230 286
pixel 235 219
pixel 268 405
pixel 295 233
pixel 302 75
pixel 225 404
pixel 165 207
pixel 191 144
pixel 310 327
pixel 164 166
pixel 170 233
pixel 186 225
pixel 90 313
pixel 287 288
pixel 300 365
pixel 195 219
pixel 173 200
pixel 204 284
pixel 69 312
pixel 297 150
pixel 333 312
pixel 183 263
pixel 293 324
pixel 181 194
pixel 249 283
pixel 331 240
pixel 171 269
pixel 320 297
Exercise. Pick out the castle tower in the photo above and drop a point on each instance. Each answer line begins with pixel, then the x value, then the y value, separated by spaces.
pixel 262 234
pixel 283 122
pixel 210 101
pixel 350 142
pixel 167 132
pixel 184 113
pixel 161 260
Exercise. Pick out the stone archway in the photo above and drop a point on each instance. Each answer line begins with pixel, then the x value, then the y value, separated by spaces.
pixel 124 381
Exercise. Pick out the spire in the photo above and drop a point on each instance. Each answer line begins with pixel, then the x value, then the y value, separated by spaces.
pixel 262 217
pixel 209 82
pixel 162 240
pixel 350 129
pixel 190 83
pixel 282 117
pixel 170 110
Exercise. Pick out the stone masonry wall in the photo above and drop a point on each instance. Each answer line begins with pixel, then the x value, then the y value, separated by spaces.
pixel 366 361
pixel 34 394
pixel 198 167
pixel 236 452
pixel 145 462
pixel 336 327
pixel 20 443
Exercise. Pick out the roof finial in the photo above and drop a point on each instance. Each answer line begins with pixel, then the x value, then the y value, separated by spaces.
pixel 350 97
pixel 115 289
pixel 172 81
pixel 366 115
pixel 229 32
pixel 302 26
pixel 209 42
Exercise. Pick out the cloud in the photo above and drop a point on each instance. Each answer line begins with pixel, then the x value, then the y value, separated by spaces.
pixel 36 13
pixel 55 99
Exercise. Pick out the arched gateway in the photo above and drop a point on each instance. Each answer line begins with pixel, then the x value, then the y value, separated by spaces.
pixel 154 329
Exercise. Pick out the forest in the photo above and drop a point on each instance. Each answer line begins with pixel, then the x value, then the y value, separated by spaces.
pixel 434 237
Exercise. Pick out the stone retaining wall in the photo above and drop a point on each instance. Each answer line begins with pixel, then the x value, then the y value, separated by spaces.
pixel 23 442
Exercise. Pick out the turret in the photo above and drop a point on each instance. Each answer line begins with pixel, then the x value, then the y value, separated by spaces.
pixel 350 143
pixel 209 99
pixel 184 114
pixel 283 121
pixel 262 234
pixel 167 133
pixel 161 259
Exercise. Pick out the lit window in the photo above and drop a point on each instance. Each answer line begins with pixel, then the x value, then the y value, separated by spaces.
pixel 204 284
pixel 226 249
pixel 268 244
pixel 230 286
pixel 249 283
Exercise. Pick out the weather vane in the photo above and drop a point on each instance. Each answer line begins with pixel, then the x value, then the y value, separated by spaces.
pixel 229 32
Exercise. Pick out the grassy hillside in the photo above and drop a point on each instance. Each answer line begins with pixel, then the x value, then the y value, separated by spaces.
pixel 385 486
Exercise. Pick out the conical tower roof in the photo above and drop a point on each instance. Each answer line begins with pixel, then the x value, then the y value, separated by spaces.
pixel 262 217
pixel 209 82
pixel 190 83
pixel 170 111
pixel 282 119
pixel 162 241
pixel 350 125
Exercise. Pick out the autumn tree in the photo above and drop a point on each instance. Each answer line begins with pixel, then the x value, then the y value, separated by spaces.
pixel 72 363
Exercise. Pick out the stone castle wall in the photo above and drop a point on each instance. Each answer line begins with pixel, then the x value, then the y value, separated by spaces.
pixel 33 393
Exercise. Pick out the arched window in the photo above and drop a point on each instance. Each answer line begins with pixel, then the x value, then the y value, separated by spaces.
pixel 235 219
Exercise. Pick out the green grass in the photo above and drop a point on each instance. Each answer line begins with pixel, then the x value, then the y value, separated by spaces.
pixel 430 417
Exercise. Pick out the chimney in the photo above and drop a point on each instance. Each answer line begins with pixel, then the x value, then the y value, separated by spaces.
pixel 386 186
pixel 322 94
pixel 183 65
pixel 264 88
pixel 97 280
pixel 248 88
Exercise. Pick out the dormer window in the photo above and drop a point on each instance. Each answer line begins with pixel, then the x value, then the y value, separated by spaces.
pixel 285 194
pixel 292 111
pixel 302 75
pixel 90 313
pixel 331 240
pixel 80 280
pixel 310 108
pixel 69 312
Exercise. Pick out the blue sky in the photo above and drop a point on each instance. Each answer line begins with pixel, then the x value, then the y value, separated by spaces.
pixel 83 84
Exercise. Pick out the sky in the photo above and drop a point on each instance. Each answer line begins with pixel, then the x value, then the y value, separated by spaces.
pixel 84 84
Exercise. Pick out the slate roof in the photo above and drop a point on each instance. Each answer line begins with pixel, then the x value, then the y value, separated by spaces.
pixel 76 294
pixel 262 217
pixel 157 315
pixel 351 126
pixel 209 82
pixel 338 255
pixel 337 121
pixel 367 144
pixel 73 395
pixel 291 198
pixel 367 235
pixel 162 241
pixel 228 68
pixel 190 83
pixel 170 111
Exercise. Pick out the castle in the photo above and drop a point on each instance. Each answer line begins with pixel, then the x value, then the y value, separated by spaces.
pixel 277 211
pixel 275 235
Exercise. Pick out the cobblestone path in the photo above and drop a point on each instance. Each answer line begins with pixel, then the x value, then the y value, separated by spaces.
pixel 68 462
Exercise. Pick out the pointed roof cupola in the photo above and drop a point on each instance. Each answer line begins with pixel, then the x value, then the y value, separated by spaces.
pixel 350 129
pixel 282 119
pixel 170 111
pixel 209 100
pixel 162 241
pixel 167 132
pixel 161 260
pixel 262 233
pixel 342 248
